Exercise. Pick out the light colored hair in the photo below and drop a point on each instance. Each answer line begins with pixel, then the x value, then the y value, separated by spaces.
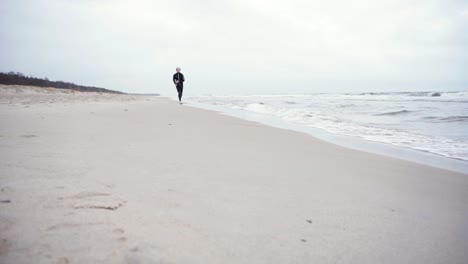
pixel 177 69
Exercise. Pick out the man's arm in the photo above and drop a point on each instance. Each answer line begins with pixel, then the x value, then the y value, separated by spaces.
pixel 174 78
pixel 183 78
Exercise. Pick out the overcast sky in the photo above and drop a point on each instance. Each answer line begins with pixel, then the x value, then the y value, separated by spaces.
pixel 240 46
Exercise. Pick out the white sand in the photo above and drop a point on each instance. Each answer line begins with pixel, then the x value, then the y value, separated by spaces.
pixel 99 178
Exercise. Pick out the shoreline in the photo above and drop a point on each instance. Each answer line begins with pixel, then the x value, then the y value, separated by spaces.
pixel 380 148
pixel 119 179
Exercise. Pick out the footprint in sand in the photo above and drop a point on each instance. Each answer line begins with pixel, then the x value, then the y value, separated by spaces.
pixel 82 195
pixel 63 260
pixel 5 224
pixel 122 239
pixel 134 249
pixel 74 226
pixel 118 231
pixel 4 191
pixel 95 200
pixel 5 247
pixel 28 136
pixel 108 185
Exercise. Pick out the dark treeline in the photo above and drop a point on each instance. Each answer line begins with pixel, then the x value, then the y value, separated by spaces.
pixel 17 78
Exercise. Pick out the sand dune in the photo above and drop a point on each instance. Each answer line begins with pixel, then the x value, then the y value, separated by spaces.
pixel 27 95
pixel 108 178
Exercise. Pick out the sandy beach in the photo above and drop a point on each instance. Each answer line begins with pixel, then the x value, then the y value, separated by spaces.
pixel 107 178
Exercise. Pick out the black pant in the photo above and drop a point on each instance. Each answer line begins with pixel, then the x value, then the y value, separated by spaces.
pixel 180 90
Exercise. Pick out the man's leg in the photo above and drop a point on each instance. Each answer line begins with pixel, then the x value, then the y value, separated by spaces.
pixel 179 92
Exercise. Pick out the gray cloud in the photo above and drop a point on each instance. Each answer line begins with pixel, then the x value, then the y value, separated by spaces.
pixel 240 46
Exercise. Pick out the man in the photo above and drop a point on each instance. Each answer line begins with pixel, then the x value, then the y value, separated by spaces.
pixel 179 80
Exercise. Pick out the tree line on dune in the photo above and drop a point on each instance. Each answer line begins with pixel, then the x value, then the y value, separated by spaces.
pixel 17 78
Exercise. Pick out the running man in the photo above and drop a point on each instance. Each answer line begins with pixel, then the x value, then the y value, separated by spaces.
pixel 179 80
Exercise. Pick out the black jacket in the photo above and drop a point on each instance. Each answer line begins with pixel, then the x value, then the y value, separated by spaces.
pixel 180 77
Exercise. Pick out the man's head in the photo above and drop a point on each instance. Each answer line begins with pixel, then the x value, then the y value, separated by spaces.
pixel 177 69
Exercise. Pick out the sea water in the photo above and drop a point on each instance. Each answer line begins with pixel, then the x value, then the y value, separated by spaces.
pixel 430 122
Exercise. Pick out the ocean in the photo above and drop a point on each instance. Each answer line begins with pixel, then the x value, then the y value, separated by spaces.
pixel 429 122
